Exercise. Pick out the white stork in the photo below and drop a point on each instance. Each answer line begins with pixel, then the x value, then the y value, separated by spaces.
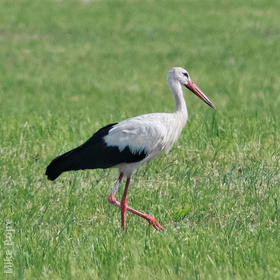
pixel 128 144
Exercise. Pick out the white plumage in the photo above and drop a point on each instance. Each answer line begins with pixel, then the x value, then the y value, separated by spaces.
pixel 151 133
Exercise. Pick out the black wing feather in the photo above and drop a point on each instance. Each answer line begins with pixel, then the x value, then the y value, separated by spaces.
pixel 94 153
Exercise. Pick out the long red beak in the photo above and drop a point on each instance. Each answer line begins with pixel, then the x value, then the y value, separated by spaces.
pixel 197 91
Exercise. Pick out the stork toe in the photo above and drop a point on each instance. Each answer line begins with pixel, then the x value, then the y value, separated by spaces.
pixel 152 221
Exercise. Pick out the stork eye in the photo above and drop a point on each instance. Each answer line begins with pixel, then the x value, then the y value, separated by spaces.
pixel 186 74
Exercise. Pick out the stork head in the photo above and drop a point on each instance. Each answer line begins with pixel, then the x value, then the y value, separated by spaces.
pixel 179 74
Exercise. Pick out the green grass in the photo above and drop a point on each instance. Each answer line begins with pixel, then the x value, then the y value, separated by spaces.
pixel 69 67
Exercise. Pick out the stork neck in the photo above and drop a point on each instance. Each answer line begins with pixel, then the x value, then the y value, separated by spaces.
pixel 176 88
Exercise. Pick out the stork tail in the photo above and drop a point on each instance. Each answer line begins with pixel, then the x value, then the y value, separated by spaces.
pixel 61 164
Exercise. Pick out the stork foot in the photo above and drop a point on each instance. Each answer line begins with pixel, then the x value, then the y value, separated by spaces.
pixel 152 221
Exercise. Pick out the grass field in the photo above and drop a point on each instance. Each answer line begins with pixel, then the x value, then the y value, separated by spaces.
pixel 69 67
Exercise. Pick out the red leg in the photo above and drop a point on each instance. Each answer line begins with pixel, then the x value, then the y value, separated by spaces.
pixel 123 205
pixel 151 220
